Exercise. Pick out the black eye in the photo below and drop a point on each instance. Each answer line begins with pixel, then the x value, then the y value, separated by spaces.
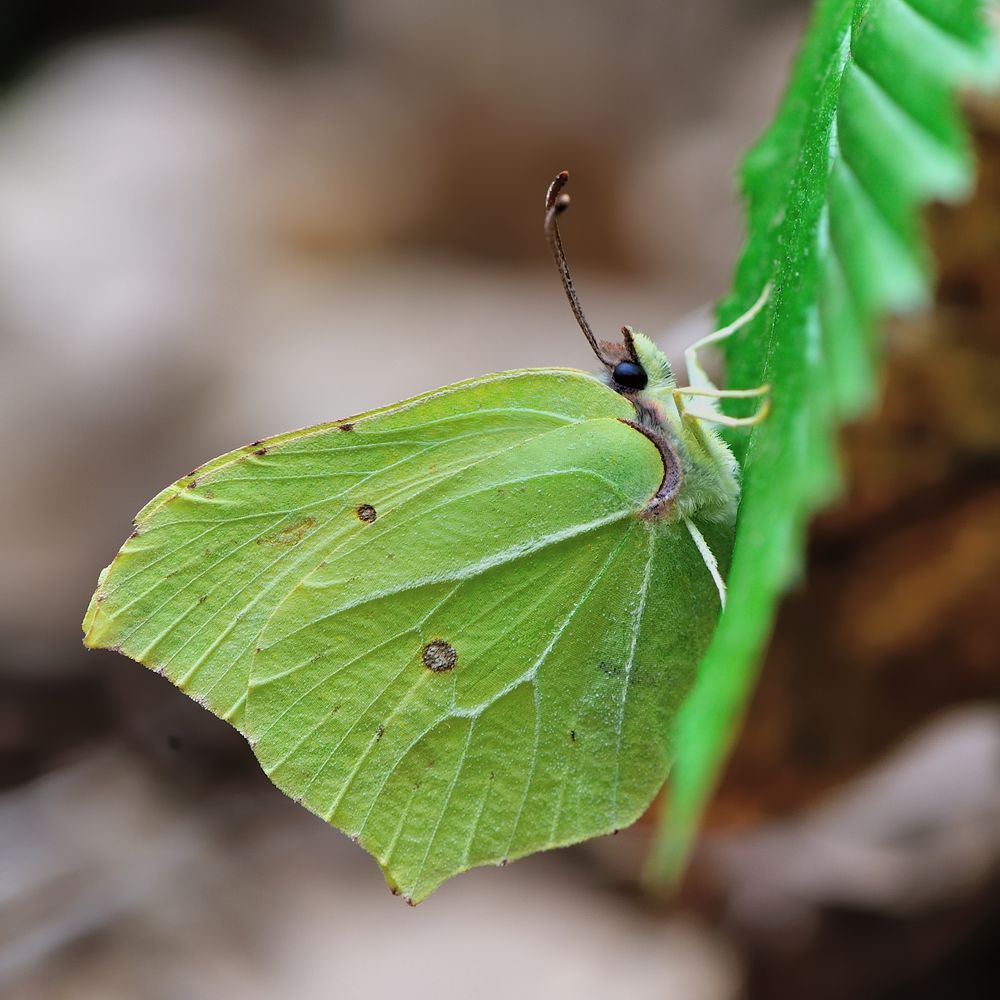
pixel 630 375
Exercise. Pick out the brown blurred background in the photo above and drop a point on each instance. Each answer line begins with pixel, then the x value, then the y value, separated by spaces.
pixel 222 220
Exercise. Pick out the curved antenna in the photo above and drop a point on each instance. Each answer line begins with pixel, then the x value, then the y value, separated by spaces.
pixel 556 202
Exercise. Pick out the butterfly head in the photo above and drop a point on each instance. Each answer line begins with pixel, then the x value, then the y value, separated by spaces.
pixel 635 364
pixel 708 480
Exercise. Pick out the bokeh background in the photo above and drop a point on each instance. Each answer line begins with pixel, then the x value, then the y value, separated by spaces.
pixel 223 220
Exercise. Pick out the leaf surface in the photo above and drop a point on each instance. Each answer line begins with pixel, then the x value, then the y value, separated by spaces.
pixel 867 133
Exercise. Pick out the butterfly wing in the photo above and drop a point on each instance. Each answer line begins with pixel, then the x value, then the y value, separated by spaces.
pixel 490 669
pixel 462 640
pixel 213 554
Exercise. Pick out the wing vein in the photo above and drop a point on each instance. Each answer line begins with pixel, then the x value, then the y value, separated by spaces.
pixel 636 624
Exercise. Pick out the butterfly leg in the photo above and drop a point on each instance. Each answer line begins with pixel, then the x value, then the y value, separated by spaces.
pixel 701 385
pixel 712 414
pixel 697 375
pixel 715 417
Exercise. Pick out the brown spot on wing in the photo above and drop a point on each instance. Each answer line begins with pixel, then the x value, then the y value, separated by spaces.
pixel 439 656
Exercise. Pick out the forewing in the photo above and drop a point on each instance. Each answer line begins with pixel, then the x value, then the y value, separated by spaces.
pixel 213 555
pixel 572 623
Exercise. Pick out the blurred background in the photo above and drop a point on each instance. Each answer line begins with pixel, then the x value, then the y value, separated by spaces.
pixel 223 220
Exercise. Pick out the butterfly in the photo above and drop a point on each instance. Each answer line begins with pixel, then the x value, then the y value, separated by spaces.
pixel 457 628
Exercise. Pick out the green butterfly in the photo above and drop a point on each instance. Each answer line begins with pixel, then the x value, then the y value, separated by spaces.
pixel 457 628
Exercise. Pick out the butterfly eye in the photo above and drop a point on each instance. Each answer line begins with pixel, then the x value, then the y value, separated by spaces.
pixel 630 375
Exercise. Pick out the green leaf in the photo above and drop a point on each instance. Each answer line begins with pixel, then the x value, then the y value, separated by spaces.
pixel 868 132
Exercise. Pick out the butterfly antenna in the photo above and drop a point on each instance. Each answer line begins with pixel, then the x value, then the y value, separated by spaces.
pixel 556 202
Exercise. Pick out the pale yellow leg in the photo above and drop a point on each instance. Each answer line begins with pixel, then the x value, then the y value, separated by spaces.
pixel 761 390
pixel 702 385
pixel 713 415
pixel 697 375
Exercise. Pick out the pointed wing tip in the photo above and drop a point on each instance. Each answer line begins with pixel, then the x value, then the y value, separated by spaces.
pixel 414 893
pixel 91 639
pixel 396 890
